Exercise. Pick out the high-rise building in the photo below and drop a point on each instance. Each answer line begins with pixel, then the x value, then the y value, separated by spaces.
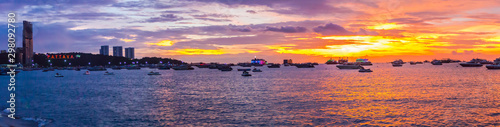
pixel 129 52
pixel 27 43
pixel 104 50
pixel 117 51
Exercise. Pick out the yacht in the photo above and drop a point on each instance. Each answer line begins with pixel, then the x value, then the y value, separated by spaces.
pixel 495 65
pixel 183 67
pixel 472 63
pixel 245 73
pixel 397 63
pixel 256 70
pixel 364 62
pixel 349 66
pixel 331 61
pixel 365 70
pixel 244 69
pixel 436 62
pixel 58 75
pixel 304 65
pixel 154 73
pixel 413 63
pixel 109 73
pixel 273 66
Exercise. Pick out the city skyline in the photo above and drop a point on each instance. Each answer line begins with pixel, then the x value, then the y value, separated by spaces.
pixel 194 31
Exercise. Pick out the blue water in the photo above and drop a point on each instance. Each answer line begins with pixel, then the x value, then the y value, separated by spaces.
pixel 411 95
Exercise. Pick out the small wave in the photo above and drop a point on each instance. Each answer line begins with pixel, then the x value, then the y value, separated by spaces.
pixel 40 121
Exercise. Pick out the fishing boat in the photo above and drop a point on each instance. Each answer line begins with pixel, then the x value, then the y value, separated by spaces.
pixel 154 73
pixel 436 62
pixel 58 75
pixel 349 66
pixel 256 70
pixel 245 73
pixel 472 63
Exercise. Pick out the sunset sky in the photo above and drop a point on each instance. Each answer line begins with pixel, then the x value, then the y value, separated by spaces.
pixel 238 30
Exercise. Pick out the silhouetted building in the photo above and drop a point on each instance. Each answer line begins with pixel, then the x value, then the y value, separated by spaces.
pixel 129 52
pixel 117 51
pixel 27 52
pixel 104 50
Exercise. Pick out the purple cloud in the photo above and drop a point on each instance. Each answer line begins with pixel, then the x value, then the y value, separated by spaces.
pixel 287 29
pixel 165 18
pixel 334 29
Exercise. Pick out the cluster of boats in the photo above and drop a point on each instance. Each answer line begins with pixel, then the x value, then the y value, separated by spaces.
pixel 480 62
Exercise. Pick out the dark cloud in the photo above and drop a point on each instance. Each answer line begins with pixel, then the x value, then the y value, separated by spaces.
pixel 165 18
pixel 334 29
pixel 287 29
pixel 251 11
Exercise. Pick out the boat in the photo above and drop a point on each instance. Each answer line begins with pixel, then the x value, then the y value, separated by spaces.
pixel 365 70
pixel 256 70
pixel 109 73
pixel 273 66
pixel 485 62
pixel 226 69
pixel 154 73
pixel 163 68
pixel 363 62
pixel 413 63
pixel 133 68
pixel 472 63
pixel 493 66
pixel 48 69
pixel 240 69
pixel 183 67
pixel 307 65
pixel 436 62
pixel 419 62
pixel 86 73
pixel 397 63
pixel 245 73
pixel 58 75
pixel 349 66
pixel 117 68
pixel 99 68
pixel 331 61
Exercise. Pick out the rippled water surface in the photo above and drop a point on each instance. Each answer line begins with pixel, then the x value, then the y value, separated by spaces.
pixel 415 95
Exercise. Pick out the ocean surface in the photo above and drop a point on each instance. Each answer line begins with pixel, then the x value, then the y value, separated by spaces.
pixel 412 95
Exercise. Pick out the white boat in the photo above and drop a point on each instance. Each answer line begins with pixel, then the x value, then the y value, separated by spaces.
pixel 58 75
pixel 256 70
pixel 349 66
pixel 365 70
pixel 154 73
pixel 86 73
pixel 109 73
pixel 245 73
